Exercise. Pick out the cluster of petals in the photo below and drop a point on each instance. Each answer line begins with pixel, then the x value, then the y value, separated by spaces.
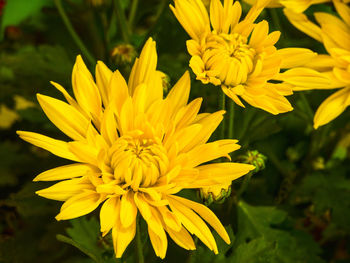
pixel 133 151
pixel 297 6
pixel 241 56
pixel 334 33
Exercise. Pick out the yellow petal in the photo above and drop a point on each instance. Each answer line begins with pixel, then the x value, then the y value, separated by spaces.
pixel 128 209
pixel 85 152
pixel 103 76
pixel 65 117
pixel 122 237
pixel 109 214
pixel 182 238
pixel 295 57
pixel 109 126
pixel 66 189
pixel 193 17
pixel 332 107
pixel 259 34
pixel 178 95
pixel 210 151
pixel 343 10
pixel 207 215
pixel 57 147
pixel 159 244
pixel 193 223
pixel 304 77
pixel 79 205
pixel 64 172
pixel 86 91
pixel 301 22
pixel 118 90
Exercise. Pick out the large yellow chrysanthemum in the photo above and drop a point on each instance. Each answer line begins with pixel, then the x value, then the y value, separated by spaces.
pixel 240 55
pixel 334 33
pixel 134 151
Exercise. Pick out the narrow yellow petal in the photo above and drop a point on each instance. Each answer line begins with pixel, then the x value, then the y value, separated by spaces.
pixel 193 223
pixel 122 237
pixel 295 57
pixel 64 172
pixel 79 205
pixel 182 238
pixel 207 215
pixel 103 76
pixel 86 91
pixel 57 147
pixel 118 90
pixel 66 189
pixel 179 94
pixel 159 244
pixel 65 117
pixel 128 209
pixel 301 22
pixel 109 214
pixel 332 107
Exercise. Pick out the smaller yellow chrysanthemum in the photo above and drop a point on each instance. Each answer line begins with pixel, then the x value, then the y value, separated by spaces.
pixel 240 55
pixel 334 33
pixel 297 6
pixel 134 151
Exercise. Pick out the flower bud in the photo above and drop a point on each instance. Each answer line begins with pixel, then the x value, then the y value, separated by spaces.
pixel 254 158
pixel 216 193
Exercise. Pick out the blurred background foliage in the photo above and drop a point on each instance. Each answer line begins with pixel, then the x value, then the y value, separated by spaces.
pixel 295 209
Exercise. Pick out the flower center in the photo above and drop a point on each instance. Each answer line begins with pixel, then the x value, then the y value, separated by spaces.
pixel 230 57
pixel 138 162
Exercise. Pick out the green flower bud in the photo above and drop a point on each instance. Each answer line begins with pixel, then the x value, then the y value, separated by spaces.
pixel 254 158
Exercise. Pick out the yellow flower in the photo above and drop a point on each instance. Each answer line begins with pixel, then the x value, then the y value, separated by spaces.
pixel 7 117
pixel 135 151
pixel 334 33
pixel 297 6
pixel 240 55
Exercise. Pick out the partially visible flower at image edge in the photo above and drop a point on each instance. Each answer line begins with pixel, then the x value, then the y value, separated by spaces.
pixel 297 6
pixel 334 33
pixel 240 56
pixel 135 151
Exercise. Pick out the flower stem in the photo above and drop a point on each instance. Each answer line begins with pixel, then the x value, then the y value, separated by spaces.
pixel 231 116
pixel 222 98
pixel 307 106
pixel 138 241
pixel 124 27
pixel 132 14
pixel 72 32
pixel 244 185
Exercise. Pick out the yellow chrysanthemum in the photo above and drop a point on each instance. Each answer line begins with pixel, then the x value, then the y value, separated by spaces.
pixel 240 55
pixel 297 6
pixel 134 151
pixel 334 33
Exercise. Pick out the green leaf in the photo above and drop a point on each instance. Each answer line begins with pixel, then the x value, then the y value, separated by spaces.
pixel 85 235
pixel 327 192
pixel 16 11
pixel 262 237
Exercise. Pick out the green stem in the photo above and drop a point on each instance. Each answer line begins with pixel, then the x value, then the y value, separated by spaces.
pixel 124 27
pixel 159 14
pixel 132 13
pixel 231 116
pixel 244 185
pixel 222 106
pixel 274 17
pixel 72 32
pixel 139 242
pixel 308 108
